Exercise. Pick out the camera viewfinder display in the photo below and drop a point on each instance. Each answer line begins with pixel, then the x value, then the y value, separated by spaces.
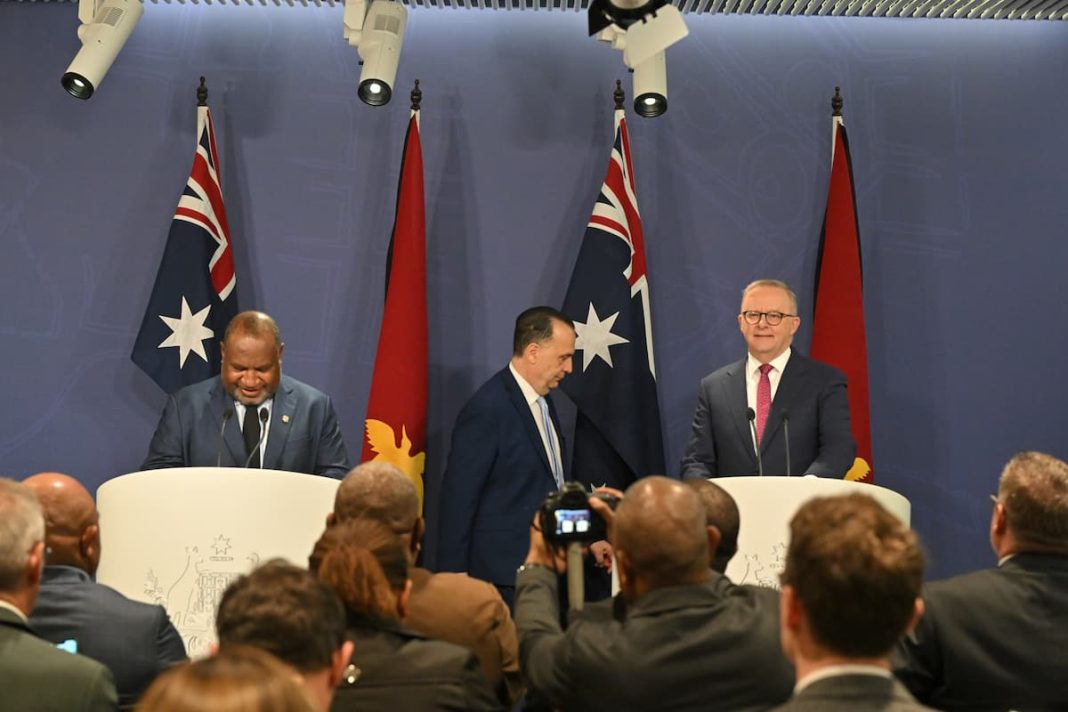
pixel 572 521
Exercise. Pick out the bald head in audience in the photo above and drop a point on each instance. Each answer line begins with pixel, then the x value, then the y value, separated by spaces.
pixel 71 520
pixel 721 519
pixel 660 537
pixel 380 491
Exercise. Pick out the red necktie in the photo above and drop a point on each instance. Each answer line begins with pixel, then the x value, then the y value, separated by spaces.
pixel 763 400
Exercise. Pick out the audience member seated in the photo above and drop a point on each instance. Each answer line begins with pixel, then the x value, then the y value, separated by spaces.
pixel 135 640
pixel 448 606
pixel 851 588
pixel 996 639
pixel 238 679
pixel 721 514
pixel 34 674
pixel 289 613
pixel 684 644
pixel 392 668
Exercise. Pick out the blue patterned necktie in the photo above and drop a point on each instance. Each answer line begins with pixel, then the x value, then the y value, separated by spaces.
pixel 554 459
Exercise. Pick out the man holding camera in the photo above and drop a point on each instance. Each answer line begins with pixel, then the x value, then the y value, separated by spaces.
pixel 685 643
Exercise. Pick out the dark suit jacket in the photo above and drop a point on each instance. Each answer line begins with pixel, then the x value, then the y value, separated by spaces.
pixel 396 670
pixel 863 693
pixel 304 435
pixel 993 639
pixel 710 646
pixel 811 393
pixel 136 641
pixel 37 676
pixel 496 477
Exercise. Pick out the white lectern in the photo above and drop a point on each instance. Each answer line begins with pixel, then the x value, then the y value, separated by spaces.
pixel 767 504
pixel 179 536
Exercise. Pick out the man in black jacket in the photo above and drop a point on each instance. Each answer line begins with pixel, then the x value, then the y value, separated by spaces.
pixel 996 639
pixel 690 639
pixel 135 640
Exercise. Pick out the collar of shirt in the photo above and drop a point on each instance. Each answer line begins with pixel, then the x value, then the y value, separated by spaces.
pixel 529 393
pixel 16 611
pixel 839 670
pixel 239 409
pixel 778 364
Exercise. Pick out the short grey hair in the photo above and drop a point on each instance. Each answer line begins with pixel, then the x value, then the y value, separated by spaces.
pixel 777 283
pixel 21 527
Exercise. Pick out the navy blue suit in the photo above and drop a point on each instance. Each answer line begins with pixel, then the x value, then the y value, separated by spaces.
pixel 496 477
pixel 812 394
pixel 304 435
pixel 136 641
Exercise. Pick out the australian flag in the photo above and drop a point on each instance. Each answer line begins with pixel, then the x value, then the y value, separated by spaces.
pixel 195 294
pixel 617 432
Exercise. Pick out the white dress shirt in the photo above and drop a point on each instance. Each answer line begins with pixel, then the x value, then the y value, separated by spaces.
pixel 531 396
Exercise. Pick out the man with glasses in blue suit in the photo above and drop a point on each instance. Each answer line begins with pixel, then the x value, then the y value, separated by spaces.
pixel 774 401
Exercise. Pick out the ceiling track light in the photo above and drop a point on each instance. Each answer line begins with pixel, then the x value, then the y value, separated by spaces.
pixel 106 25
pixel 377 33
pixel 642 30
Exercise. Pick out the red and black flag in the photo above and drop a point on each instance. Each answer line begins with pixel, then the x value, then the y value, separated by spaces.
pixel 838 334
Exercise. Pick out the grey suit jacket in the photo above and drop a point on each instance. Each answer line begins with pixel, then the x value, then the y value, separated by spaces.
pixel 37 676
pixel 135 640
pixel 810 393
pixel 304 435
pixel 710 646
pixel 853 693
pixel 992 640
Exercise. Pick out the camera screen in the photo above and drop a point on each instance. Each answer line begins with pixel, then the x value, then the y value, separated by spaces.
pixel 572 521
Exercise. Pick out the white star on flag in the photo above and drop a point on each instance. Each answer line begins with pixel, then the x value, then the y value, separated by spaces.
pixel 188 332
pixel 595 336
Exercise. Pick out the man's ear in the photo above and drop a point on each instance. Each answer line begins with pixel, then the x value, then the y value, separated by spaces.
pixel 917 614
pixel 89 545
pixel 331 519
pixel 714 537
pixel 281 350
pixel 339 661
pixel 35 563
pixel 790 608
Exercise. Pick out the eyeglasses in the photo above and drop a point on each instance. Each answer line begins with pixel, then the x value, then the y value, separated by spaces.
pixel 773 318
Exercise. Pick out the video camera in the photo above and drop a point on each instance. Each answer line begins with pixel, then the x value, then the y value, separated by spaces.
pixel 565 516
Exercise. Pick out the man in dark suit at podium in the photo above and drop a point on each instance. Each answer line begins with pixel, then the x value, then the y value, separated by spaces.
pixel 996 639
pixel 850 590
pixel 135 640
pixel 506 455
pixel 281 423
pixel 776 392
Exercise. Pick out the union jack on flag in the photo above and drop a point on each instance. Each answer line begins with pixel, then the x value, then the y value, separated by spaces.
pixel 195 293
pixel 617 432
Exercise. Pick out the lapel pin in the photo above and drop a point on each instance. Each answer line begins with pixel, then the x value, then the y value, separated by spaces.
pixel 285 418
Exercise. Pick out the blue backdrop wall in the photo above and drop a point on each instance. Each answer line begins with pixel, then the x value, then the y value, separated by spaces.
pixel 958 147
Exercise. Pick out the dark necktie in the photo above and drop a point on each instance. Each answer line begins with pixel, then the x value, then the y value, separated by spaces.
pixel 250 429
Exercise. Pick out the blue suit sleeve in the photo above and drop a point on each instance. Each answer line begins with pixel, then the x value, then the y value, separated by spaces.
pixel 836 446
pixel 471 459
pixel 700 458
pixel 167 447
pixel 332 459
